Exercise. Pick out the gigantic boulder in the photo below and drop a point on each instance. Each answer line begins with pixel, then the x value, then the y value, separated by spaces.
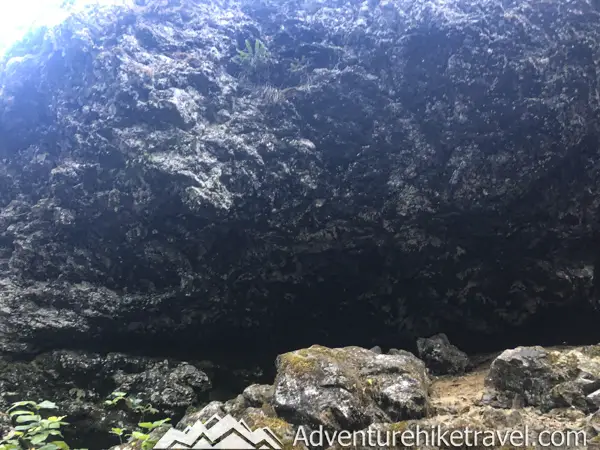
pixel 349 388
pixel 383 170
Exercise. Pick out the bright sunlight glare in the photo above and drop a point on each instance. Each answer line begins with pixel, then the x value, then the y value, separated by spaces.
pixel 19 16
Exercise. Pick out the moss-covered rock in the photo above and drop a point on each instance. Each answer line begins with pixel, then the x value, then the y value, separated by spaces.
pixel 349 388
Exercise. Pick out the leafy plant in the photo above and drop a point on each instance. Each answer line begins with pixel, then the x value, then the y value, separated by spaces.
pixel 253 56
pixel 119 432
pixel 142 435
pixel 133 403
pixel 115 398
pixel 33 431
pixel 144 438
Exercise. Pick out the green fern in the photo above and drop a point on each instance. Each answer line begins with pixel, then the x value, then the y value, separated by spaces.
pixel 253 55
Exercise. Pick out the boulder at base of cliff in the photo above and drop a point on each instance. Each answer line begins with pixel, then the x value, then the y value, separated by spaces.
pixel 440 356
pixel 546 378
pixel 349 388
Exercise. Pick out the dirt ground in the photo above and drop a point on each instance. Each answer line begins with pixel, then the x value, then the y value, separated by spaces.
pixel 457 393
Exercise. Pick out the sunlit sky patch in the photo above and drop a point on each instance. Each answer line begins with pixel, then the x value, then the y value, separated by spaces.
pixel 18 16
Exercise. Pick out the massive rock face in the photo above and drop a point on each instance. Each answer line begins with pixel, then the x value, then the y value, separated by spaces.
pixel 383 170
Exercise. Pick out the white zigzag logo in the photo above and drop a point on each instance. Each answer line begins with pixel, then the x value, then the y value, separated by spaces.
pixel 221 433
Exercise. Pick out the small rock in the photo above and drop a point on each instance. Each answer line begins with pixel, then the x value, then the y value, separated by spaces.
pixel 593 423
pixel 440 356
pixel 257 395
pixel 594 398
pixel 395 351
pixel 236 405
pixel 204 414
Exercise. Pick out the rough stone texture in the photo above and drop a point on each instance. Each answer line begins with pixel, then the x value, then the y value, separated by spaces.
pixel 166 387
pixel 544 378
pixel 257 395
pixel 440 356
pixel 399 167
pixel 79 383
pixel 203 414
pixel 349 388
pixel 395 351
pixel 449 412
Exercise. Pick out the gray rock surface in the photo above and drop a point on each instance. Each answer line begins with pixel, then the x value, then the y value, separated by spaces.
pixel 341 389
pixel 440 356
pixel 349 388
pixel 80 382
pixel 546 378
pixel 450 412
pixel 388 169
pixel 258 394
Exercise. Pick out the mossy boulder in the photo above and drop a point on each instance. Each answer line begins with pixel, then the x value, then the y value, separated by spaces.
pixel 349 388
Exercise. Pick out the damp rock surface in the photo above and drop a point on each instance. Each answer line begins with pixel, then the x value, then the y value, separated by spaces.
pixel 440 356
pixel 456 404
pixel 385 170
pixel 349 388
pixel 80 383
pixel 546 379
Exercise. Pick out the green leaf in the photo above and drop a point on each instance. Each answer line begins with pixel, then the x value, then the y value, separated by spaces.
pixel 46 404
pixel 139 436
pixel 55 418
pixel 10 446
pixel 21 412
pixel 158 423
pixel 149 444
pixel 147 425
pixel 62 445
pixel 50 446
pixel 23 419
pixel 54 432
pixel 24 403
pixel 117 431
pixel 12 434
pixel 118 394
pixel 39 438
